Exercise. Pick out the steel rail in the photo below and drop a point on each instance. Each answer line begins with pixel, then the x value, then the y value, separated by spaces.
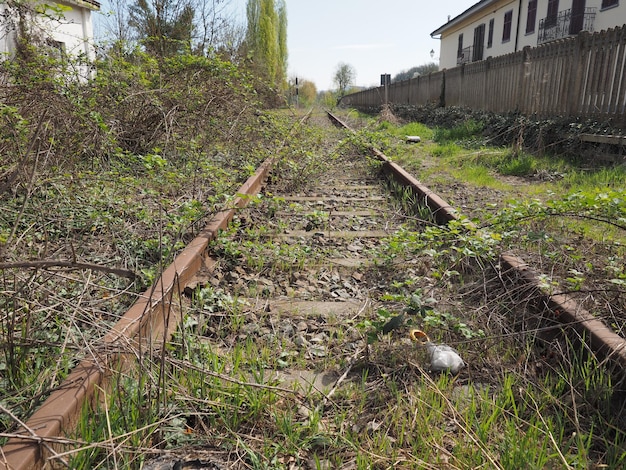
pixel 602 340
pixel 154 316
pixel 151 319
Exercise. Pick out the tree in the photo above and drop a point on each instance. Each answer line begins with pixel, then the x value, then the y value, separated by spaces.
pixel 213 25
pixel 344 77
pixel 266 38
pixel 424 69
pixel 281 9
pixel 213 30
pixel 165 27
pixel 308 92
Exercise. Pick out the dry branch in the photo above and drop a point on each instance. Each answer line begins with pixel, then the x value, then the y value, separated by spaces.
pixel 45 264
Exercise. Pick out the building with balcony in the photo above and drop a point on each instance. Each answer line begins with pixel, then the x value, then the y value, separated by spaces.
pixel 496 27
pixel 65 26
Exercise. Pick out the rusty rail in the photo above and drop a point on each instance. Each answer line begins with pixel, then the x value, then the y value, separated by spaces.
pixel 153 318
pixel 602 340
pixel 150 319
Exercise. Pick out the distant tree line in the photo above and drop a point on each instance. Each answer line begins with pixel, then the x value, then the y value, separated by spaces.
pixel 424 69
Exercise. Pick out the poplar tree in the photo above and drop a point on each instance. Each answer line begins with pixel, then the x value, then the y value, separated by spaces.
pixel 282 41
pixel 266 38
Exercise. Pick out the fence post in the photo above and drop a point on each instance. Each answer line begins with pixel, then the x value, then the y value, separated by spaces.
pixel 576 74
pixel 525 82
pixel 488 83
pixel 442 95
pixel 574 101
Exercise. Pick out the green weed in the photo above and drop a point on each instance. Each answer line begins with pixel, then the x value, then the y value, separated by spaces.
pixel 465 131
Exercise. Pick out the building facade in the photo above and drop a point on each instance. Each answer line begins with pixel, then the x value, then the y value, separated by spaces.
pixel 65 25
pixel 491 28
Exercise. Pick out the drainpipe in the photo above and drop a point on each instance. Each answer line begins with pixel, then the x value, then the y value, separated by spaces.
pixel 86 32
pixel 88 47
pixel 519 21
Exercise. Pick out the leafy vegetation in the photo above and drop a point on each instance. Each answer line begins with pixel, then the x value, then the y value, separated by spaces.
pixel 574 231
pixel 104 182
pixel 390 412
pixel 558 136
pixel 556 205
pixel 266 38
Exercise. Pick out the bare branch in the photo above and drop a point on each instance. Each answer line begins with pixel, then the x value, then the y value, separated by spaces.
pixel 45 264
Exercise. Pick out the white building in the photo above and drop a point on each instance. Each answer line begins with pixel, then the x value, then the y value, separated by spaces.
pixel 67 27
pixel 496 27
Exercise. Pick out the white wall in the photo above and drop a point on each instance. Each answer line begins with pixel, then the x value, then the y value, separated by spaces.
pixel 74 30
pixel 609 18
pixel 449 40
pixel 604 19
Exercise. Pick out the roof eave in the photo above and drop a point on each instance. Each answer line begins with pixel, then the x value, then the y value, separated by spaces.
pixel 90 4
pixel 457 19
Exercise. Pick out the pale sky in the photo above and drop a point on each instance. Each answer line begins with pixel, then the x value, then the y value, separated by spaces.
pixel 373 36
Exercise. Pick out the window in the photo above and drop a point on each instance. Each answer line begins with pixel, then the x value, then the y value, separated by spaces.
pixel 56 49
pixel 459 50
pixel 479 42
pixel 577 17
pixel 609 3
pixel 553 12
pixel 531 18
pixel 508 23
pixel 490 33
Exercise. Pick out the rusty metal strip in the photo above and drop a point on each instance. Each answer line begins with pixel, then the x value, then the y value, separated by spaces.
pixel 602 339
pixel 149 319
pixel 442 211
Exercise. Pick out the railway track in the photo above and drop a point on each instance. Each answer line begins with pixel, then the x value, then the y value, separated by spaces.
pixel 305 285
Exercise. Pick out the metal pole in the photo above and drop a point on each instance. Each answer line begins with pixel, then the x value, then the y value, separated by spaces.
pixel 297 94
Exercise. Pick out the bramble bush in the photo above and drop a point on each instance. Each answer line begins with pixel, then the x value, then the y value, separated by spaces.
pixel 557 136
pixel 51 118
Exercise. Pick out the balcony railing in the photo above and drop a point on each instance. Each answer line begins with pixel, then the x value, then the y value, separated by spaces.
pixel 469 54
pixel 565 24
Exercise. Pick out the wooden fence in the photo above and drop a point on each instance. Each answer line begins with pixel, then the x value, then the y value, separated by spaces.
pixel 580 76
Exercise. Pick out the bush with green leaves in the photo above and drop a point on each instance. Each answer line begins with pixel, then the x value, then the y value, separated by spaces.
pixel 559 135
pixel 118 171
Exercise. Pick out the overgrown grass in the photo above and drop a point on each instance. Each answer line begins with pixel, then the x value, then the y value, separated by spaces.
pixel 460 144
pixel 389 415
pixel 90 220
pixel 465 132
pixel 523 165
pixel 414 129
pixel 526 403
pixel 611 177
